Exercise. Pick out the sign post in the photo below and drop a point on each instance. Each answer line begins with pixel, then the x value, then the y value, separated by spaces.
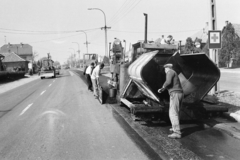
pixel 214 39
pixel 214 43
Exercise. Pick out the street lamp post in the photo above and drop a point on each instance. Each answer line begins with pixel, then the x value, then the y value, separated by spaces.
pixel 86 39
pixel 105 28
pixel 71 59
pixel 73 53
pixel 78 51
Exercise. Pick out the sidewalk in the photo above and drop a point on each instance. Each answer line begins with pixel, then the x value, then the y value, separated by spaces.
pixel 16 83
pixel 230 70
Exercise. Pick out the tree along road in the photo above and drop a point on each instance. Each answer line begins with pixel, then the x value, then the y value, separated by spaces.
pixel 60 119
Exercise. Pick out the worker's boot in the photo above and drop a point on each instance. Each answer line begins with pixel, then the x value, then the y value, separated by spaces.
pixel 175 136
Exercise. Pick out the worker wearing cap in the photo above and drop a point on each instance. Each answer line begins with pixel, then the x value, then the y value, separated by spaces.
pixel 95 78
pixel 173 85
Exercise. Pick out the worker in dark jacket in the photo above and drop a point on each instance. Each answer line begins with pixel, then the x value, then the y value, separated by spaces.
pixel 173 85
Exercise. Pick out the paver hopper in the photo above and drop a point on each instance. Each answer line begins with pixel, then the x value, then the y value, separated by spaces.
pixel 197 73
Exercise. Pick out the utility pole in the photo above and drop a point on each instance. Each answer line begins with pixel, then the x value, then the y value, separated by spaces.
pixel 109 55
pixel 78 51
pixel 213 53
pixel 5 39
pixel 105 28
pixel 87 45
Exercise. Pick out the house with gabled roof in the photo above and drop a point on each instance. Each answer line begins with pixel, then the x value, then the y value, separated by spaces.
pixel 25 51
pixel 13 62
pixel 201 36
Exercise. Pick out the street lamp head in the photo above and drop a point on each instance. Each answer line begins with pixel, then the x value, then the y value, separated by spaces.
pixel 89 8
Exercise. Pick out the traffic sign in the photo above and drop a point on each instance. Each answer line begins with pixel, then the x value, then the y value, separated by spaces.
pixel 215 39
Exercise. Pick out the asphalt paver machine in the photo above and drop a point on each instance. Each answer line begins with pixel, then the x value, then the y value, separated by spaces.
pixel 197 74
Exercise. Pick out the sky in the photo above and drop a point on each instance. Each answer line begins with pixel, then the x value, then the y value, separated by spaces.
pixel 51 26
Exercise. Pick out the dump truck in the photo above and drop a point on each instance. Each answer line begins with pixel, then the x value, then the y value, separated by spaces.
pixel 46 68
pixel 89 58
pixel 140 81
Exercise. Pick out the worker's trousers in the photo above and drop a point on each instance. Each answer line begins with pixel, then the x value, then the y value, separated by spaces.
pixel 174 108
pixel 95 87
pixel 89 81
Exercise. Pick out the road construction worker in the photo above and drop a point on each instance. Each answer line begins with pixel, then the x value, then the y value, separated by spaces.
pixel 173 85
pixel 95 78
pixel 88 73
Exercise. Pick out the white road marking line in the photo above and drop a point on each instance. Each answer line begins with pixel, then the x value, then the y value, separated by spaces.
pixel 43 92
pixel 50 85
pixel 53 80
pixel 26 109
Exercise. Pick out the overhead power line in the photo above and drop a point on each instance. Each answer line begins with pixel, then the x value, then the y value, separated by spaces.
pixel 155 31
pixel 15 31
pixel 125 13
pixel 121 10
pixel 59 37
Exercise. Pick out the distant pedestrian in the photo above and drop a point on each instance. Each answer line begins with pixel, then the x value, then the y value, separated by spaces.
pixel 173 85
pixel 95 78
pixel 88 73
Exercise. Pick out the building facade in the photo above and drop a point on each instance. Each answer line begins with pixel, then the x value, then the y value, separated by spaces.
pixel 13 62
pixel 24 51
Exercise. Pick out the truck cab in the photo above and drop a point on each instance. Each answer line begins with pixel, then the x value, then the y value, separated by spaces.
pixel 47 69
pixel 89 58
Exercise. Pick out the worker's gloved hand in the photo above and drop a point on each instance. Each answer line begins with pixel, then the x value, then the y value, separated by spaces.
pixel 161 90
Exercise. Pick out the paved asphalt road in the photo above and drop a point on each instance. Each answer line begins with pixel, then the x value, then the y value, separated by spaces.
pixel 59 119
pixel 199 140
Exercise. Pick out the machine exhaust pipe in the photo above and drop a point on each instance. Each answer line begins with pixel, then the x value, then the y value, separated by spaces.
pixel 146 21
